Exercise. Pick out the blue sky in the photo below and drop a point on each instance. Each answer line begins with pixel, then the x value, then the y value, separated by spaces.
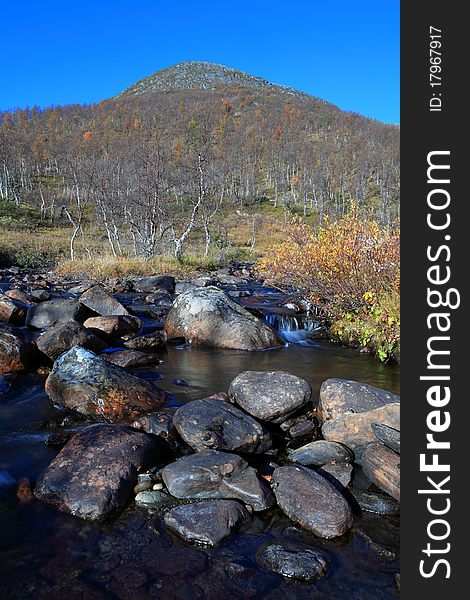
pixel 62 52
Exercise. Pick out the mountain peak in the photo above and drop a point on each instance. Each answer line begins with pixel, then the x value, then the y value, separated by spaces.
pixel 202 76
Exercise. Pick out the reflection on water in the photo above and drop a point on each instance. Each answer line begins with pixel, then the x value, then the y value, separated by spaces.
pixel 46 554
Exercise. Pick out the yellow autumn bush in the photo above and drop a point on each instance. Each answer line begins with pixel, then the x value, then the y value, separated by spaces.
pixel 350 268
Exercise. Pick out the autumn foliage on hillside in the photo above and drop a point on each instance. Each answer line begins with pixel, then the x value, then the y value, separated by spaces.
pixel 350 268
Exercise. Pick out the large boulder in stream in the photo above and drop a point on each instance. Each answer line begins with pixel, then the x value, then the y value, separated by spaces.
pixel 214 424
pixel 292 559
pixel 207 522
pixel 93 476
pixel 321 452
pixel 207 316
pixel 382 467
pixel 339 396
pixel 98 300
pixel 86 383
pixel 12 311
pixel 57 340
pixel 114 326
pixel 214 474
pixel 15 352
pixel 154 282
pixel 53 312
pixel 270 395
pixel 311 501
pixel 356 430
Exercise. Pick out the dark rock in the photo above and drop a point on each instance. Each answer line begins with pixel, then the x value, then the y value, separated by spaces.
pixel 60 438
pixel 12 311
pixel 321 452
pixel 153 499
pixel 341 473
pixel 382 466
pixel 207 522
pixel 61 338
pixel 40 295
pixel 15 352
pixel 93 476
pixel 355 429
pixel 311 501
pixel 98 300
pixel 376 503
pixel 54 312
pixel 200 475
pixel 387 435
pixel 21 296
pixel 339 396
pixel 155 282
pixel 214 424
pixel 207 316
pixel 131 358
pixel 161 425
pixel 249 488
pixel 115 326
pixel 180 382
pixel 143 486
pixel 86 383
pixel 147 343
pixel 302 429
pixel 293 560
pixel 270 395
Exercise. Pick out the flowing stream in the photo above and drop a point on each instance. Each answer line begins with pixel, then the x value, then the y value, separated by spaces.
pixel 48 554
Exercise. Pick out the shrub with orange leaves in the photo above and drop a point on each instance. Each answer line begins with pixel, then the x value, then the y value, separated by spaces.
pixel 350 267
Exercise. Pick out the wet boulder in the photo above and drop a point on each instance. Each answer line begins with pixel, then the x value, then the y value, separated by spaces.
pixel 153 283
pixel 199 475
pixel 93 476
pixel 130 359
pixel 215 424
pixel 270 395
pixel 207 522
pixel 373 502
pixel 249 488
pixel 12 311
pixel 293 560
pixel 114 326
pixel 60 338
pixel 340 473
pixel 214 474
pixel 382 467
pixel 311 501
pixel 321 452
pixel 387 435
pixel 340 396
pixel 208 317
pixel 99 301
pixel 86 383
pixel 161 425
pixel 149 342
pixel 40 295
pixel 355 431
pixel 15 351
pixel 20 296
pixel 55 312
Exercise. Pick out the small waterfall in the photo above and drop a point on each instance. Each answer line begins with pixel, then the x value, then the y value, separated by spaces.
pixel 293 329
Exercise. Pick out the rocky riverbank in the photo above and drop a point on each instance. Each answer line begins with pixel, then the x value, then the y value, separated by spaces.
pixel 207 468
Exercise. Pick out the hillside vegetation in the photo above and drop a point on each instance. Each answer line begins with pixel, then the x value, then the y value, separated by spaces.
pixel 177 167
